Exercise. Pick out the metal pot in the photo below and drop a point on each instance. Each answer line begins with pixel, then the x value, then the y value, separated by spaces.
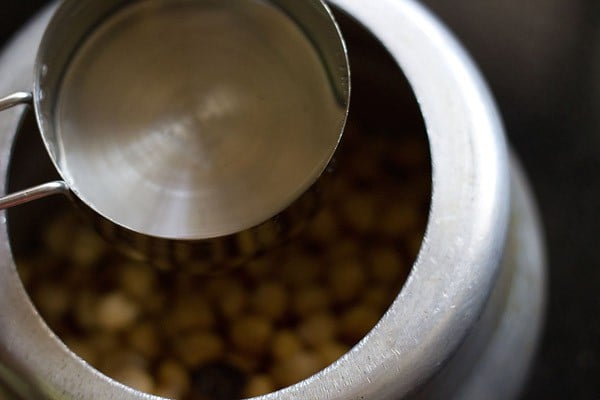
pixel 466 323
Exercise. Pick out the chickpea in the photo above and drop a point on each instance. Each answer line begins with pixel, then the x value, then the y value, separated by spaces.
pixel 270 299
pixel 200 347
pixel 285 345
pixel 318 329
pixel 115 312
pixel 259 385
pixel 296 368
pixel 172 379
pixel 251 333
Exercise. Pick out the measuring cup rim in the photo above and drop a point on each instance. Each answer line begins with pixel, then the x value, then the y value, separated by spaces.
pixel 59 155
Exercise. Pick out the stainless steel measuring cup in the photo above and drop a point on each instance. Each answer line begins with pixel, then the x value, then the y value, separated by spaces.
pixel 190 129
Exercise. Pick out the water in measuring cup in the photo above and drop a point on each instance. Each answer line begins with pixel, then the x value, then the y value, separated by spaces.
pixel 195 119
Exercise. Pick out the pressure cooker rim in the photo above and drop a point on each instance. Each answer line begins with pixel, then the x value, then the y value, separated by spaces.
pixel 458 261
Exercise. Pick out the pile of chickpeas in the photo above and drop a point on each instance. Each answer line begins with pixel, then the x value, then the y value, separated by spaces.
pixel 257 328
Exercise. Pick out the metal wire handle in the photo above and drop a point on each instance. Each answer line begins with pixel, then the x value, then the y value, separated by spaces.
pixel 36 192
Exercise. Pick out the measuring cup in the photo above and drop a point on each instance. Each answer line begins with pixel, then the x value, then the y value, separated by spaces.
pixel 189 129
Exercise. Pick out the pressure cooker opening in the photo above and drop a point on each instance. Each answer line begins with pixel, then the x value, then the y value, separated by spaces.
pixel 281 318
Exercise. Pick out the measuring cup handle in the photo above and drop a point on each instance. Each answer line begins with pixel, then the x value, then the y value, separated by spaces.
pixel 33 193
pixel 36 192
pixel 15 99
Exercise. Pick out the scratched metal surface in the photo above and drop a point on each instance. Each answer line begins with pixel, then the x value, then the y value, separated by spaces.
pixel 542 60
pixel 553 127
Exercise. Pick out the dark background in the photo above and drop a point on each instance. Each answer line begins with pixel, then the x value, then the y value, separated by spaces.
pixel 542 60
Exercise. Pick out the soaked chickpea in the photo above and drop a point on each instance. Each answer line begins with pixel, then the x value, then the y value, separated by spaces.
pixel 296 368
pixel 246 332
pixel 172 379
pixel 271 300
pixel 286 343
pixel 251 334
pixel 199 347
pixel 115 312
pixel 259 385
pixel 317 329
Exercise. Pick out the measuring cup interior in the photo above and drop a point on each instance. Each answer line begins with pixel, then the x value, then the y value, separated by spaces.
pixel 191 119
